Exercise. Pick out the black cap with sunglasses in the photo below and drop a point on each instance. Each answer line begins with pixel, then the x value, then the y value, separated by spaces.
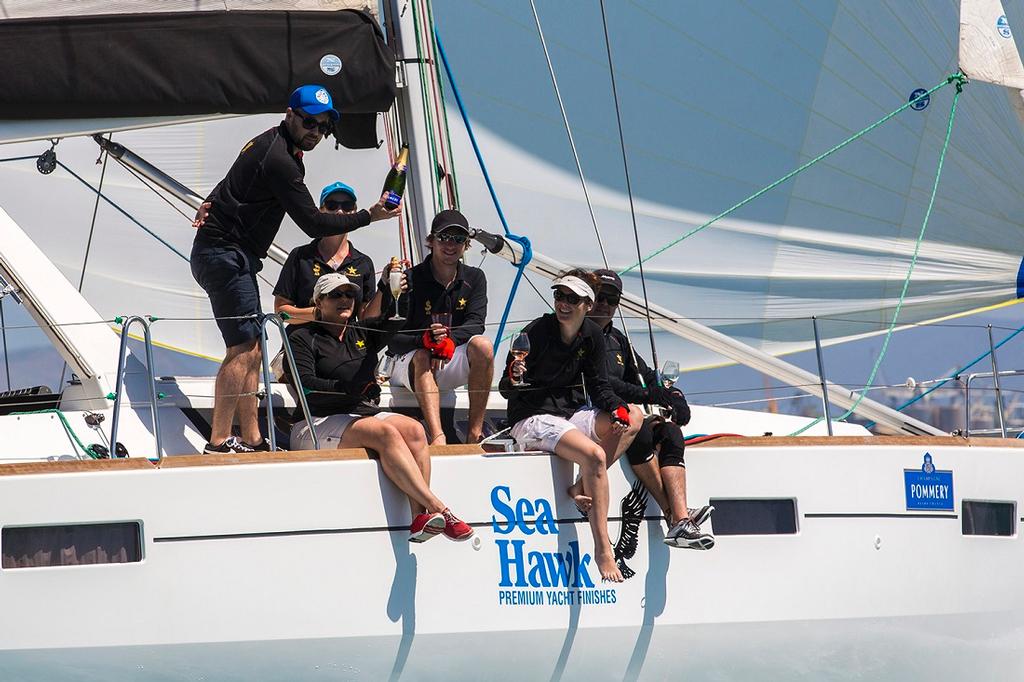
pixel 449 220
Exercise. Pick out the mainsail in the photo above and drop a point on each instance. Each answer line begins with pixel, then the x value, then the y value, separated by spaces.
pixel 718 99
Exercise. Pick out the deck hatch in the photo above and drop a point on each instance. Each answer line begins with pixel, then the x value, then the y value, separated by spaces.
pixel 70 545
pixel 754 516
pixel 988 518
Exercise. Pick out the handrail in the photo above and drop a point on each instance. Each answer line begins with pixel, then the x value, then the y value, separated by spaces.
pixel 127 322
pixel 999 405
pixel 300 392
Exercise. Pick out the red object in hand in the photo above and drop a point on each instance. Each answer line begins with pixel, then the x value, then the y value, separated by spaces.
pixel 621 415
pixel 443 349
pixel 428 340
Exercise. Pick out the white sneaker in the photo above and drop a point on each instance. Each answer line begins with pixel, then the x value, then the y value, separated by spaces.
pixel 685 535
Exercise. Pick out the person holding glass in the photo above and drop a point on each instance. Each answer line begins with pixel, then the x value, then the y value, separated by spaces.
pixel 547 409
pixel 323 255
pixel 336 357
pixel 441 346
pixel 656 454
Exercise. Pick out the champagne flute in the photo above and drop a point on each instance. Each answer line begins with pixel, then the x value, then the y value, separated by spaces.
pixel 445 320
pixel 520 349
pixel 385 368
pixel 395 282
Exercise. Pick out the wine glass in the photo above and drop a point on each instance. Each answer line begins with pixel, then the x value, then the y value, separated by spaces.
pixel 445 320
pixel 385 367
pixel 520 349
pixel 669 373
pixel 395 282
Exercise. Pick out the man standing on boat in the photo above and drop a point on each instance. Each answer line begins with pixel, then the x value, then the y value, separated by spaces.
pixel 245 213
pixel 324 255
pixel 656 453
pixel 442 347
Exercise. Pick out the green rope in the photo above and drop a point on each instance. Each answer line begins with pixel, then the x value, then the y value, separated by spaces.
pixel 960 80
pixel 432 149
pixel 958 77
pixel 67 428
pixel 447 141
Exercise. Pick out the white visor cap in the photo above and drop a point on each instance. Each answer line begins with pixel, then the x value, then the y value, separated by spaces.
pixel 575 285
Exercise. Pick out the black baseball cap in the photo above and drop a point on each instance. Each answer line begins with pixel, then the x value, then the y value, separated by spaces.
pixel 447 219
pixel 608 277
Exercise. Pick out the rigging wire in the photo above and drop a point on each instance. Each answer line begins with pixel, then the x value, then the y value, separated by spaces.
pixel 3 333
pixel 629 191
pixel 568 132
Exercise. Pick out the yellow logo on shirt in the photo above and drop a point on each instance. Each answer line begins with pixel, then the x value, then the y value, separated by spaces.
pixel 581 352
pixel 360 344
pixel 352 270
pixel 316 269
pixel 427 307
pixel 618 359
pixel 461 304
pixel 248 144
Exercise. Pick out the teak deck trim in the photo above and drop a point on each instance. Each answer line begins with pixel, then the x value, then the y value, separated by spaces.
pixel 297 456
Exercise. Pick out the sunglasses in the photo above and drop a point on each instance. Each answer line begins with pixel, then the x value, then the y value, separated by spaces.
pixel 310 123
pixel 570 298
pixel 454 237
pixel 610 299
pixel 332 205
pixel 340 293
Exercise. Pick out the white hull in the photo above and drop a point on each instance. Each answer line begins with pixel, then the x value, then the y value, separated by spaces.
pixel 301 570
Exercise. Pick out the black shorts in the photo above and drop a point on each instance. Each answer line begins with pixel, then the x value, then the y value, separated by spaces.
pixel 228 275
pixel 656 434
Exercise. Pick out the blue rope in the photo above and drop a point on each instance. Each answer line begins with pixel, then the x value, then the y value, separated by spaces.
pixel 956 374
pixel 522 241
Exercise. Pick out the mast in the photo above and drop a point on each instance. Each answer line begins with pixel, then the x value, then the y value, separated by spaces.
pixel 400 28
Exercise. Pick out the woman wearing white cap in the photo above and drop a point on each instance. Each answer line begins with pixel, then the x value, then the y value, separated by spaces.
pixel 336 361
pixel 549 412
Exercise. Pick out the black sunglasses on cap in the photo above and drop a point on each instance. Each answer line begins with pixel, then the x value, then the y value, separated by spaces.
pixel 310 122
pixel 332 205
pixel 570 297
pixel 340 293
pixel 610 299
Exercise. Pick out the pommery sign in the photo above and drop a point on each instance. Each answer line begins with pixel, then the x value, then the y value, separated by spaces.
pixel 928 488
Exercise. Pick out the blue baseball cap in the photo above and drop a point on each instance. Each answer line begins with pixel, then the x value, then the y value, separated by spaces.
pixel 313 99
pixel 336 187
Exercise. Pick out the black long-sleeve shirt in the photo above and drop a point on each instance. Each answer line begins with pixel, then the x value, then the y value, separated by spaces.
pixel 266 181
pixel 623 373
pixel 340 375
pixel 465 298
pixel 557 372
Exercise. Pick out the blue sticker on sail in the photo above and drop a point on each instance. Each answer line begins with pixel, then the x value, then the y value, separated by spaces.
pixel 928 488
pixel 922 102
pixel 1020 279
pixel 1003 26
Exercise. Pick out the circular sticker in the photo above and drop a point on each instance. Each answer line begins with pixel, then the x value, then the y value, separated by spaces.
pixel 330 64
pixel 922 101
pixel 1003 26
pixel 322 96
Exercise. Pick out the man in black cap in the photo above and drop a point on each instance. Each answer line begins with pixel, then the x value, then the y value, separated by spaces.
pixel 632 380
pixel 442 346
pixel 237 226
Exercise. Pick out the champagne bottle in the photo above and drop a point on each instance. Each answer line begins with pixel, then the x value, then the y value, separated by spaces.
pixel 394 184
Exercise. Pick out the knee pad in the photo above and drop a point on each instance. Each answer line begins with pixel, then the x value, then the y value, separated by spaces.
pixel 670 437
pixel 642 448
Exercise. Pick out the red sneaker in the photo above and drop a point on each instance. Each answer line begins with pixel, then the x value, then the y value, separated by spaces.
pixel 455 528
pixel 426 526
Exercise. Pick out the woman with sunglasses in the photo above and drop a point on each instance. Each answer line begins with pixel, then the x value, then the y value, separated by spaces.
pixel 336 362
pixel 323 255
pixel 549 413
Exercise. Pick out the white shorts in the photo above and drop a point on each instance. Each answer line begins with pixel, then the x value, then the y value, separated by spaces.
pixel 543 431
pixel 328 429
pixel 455 373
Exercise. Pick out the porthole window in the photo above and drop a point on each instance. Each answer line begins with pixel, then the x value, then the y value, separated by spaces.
pixel 754 516
pixel 70 545
pixel 988 518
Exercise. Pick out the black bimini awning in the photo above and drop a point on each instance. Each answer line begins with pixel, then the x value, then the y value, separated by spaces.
pixel 195 63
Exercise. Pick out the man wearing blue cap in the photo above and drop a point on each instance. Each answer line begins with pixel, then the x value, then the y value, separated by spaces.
pixel 324 255
pixel 245 211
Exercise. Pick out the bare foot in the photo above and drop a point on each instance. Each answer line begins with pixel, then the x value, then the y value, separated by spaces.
pixel 608 568
pixel 439 439
pixel 474 438
pixel 583 503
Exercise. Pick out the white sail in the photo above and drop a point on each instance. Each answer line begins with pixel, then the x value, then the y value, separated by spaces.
pixel 988 51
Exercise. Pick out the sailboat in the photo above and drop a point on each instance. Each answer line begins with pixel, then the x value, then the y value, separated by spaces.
pixel 837 557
